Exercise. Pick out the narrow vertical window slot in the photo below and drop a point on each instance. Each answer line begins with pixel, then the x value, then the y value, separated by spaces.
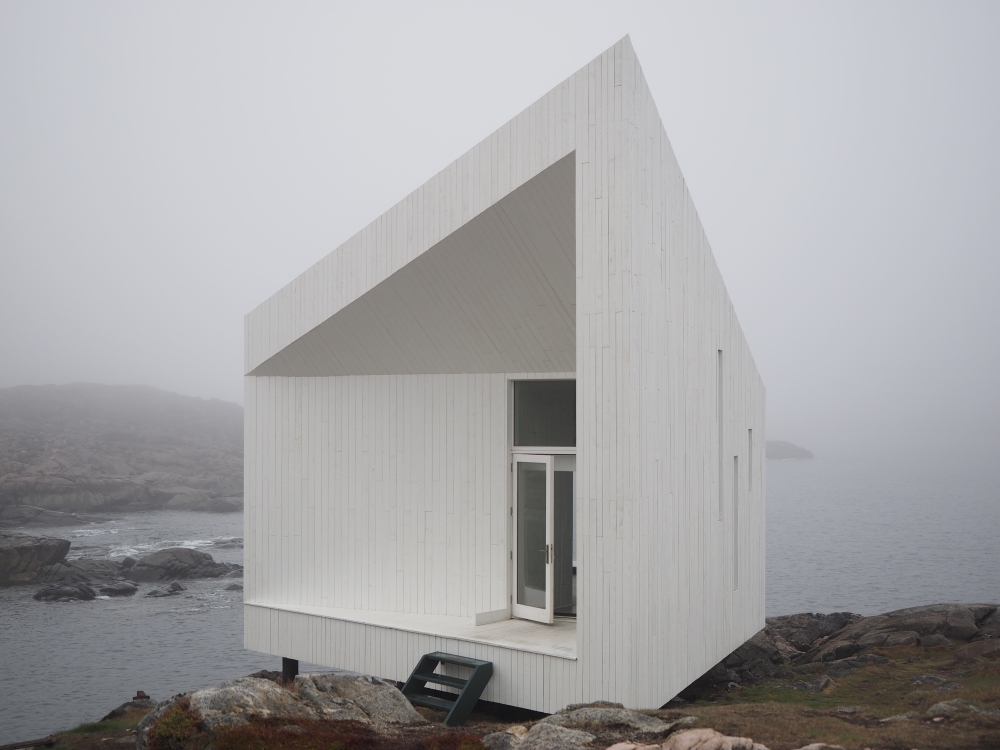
pixel 736 522
pixel 718 411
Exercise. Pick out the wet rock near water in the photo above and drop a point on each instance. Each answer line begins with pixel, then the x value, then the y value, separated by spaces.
pixel 85 571
pixel 179 562
pixel 26 559
pixel 23 556
pixel 172 590
pixel 122 588
pixel 65 592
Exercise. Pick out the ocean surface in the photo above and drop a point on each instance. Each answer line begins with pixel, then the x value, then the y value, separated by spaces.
pixel 860 535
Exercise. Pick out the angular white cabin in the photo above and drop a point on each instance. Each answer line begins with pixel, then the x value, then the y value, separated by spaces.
pixel 514 418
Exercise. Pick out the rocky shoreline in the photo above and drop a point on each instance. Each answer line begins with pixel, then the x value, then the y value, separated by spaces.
pixel 806 647
pixel 32 560
pixel 925 677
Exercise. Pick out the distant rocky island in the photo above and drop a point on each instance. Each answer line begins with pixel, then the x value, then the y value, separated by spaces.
pixel 87 448
pixel 780 450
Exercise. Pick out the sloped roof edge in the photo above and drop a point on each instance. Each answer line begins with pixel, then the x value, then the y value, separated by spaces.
pixel 519 150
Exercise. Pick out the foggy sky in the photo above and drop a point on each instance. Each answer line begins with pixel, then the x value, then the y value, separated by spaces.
pixel 166 167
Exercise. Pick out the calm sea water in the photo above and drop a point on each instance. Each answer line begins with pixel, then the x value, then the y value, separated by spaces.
pixel 871 536
pixel 865 536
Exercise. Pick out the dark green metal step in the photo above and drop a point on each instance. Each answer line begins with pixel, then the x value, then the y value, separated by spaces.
pixel 432 701
pixel 441 679
pixel 469 689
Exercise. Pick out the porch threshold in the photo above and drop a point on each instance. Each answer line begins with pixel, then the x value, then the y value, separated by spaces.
pixel 558 639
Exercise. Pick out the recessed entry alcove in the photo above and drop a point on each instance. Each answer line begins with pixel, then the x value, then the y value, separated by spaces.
pixel 445 366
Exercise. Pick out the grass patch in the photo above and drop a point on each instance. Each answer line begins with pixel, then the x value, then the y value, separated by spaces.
pixel 99 727
pixel 781 718
pixel 178 729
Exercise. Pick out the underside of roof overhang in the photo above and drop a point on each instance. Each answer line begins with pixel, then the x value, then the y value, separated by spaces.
pixel 496 295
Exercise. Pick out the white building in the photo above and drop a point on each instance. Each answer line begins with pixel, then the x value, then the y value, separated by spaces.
pixel 514 418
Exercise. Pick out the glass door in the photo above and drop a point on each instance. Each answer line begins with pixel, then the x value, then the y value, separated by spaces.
pixel 564 535
pixel 533 537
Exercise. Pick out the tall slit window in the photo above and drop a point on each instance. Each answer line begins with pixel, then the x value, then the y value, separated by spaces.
pixel 736 522
pixel 718 411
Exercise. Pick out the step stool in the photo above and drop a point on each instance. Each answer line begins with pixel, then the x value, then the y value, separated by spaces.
pixel 459 706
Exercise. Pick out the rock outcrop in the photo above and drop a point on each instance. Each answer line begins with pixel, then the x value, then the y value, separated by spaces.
pixel 607 716
pixel 122 588
pixel 179 562
pixel 905 627
pixel 542 736
pixel 92 448
pixel 709 739
pixel 830 646
pixel 340 697
pixel 801 631
pixel 24 557
pixel 585 725
pixel 65 592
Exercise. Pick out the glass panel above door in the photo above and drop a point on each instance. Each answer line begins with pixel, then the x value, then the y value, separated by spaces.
pixel 545 413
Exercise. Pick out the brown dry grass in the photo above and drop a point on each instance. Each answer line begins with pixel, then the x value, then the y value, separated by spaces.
pixel 782 719
pixel 339 735
pixel 770 713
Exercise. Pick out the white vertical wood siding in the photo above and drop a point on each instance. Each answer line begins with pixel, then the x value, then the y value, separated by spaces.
pixel 657 602
pixel 389 491
pixel 520 678
pixel 378 492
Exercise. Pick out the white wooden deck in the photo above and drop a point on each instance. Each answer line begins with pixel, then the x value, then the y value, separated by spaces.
pixel 558 639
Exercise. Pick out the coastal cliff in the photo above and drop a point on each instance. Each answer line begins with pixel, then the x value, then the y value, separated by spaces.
pixel 92 448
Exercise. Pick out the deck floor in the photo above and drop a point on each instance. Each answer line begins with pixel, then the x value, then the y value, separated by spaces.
pixel 558 639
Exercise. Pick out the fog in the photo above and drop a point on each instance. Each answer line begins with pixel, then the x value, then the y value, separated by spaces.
pixel 166 167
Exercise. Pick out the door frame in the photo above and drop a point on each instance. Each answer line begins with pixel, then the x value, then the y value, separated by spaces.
pixel 524 611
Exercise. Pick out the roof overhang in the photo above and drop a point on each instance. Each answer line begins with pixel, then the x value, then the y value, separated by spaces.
pixel 498 294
